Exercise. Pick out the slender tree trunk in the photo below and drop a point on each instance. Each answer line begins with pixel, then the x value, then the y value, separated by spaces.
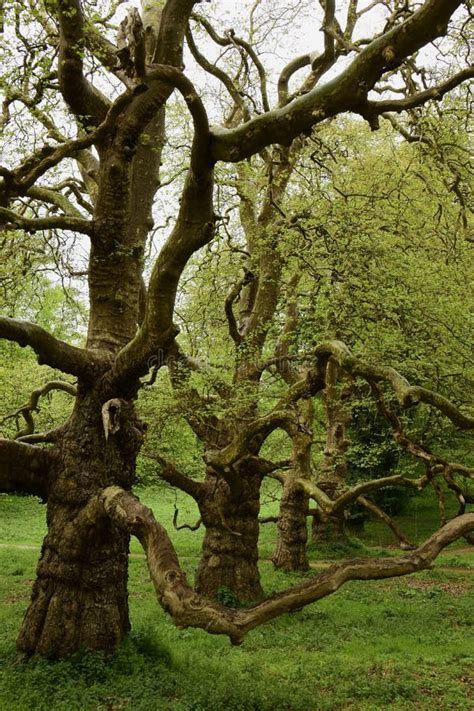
pixel 230 548
pixel 290 552
pixel 80 597
pixel 332 474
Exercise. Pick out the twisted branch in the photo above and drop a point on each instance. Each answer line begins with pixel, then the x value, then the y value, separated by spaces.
pixel 188 609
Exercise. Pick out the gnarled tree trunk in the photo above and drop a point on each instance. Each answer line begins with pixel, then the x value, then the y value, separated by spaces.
pixel 230 547
pixel 80 596
pixel 290 552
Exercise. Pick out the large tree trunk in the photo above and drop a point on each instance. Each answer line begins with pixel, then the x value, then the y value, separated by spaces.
pixel 79 598
pixel 230 549
pixel 290 552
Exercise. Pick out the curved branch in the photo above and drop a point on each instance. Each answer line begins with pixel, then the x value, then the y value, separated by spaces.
pixel 232 39
pixel 31 406
pixel 193 229
pixel 11 220
pixel 54 197
pixel 195 105
pixel 50 350
pixel 407 395
pixel 346 92
pixel 388 520
pixel 188 526
pixel 319 63
pixel 188 609
pixel 375 108
pixel 219 74
pixel 49 437
pixel 231 298
pixel 23 177
pixel 173 476
pixel 23 468
pixel 85 101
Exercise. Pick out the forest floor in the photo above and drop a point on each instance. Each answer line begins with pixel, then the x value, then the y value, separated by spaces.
pixel 399 644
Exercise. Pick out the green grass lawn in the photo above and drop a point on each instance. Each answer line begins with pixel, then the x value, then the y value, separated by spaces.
pixel 398 644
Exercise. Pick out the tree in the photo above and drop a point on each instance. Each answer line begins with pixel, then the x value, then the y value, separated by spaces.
pixel 107 178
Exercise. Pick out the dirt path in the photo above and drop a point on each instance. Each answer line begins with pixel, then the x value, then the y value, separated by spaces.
pixel 314 564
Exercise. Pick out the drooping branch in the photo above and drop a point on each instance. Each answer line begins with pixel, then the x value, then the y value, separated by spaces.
pixel 185 526
pixel 50 350
pixel 407 395
pixel 171 474
pixel 188 609
pixel 346 92
pixel 23 468
pixel 365 487
pixel 388 520
pixel 31 406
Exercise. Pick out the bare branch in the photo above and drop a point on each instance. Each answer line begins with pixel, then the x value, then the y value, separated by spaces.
pixel 372 109
pixel 232 39
pixel 188 526
pixel 319 63
pixel 346 92
pixel 173 476
pixel 23 177
pixel 219 74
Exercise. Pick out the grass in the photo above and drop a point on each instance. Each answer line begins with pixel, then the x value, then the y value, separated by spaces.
pixel 398 644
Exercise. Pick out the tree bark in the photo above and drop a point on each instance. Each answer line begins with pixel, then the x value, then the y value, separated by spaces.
pixel 79 598
pixel 230 548
pixel 332 474
pixel 290 552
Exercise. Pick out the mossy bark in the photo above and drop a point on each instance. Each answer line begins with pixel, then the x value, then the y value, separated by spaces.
pixel 79 598
pixel 230 548
pixel 290 552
